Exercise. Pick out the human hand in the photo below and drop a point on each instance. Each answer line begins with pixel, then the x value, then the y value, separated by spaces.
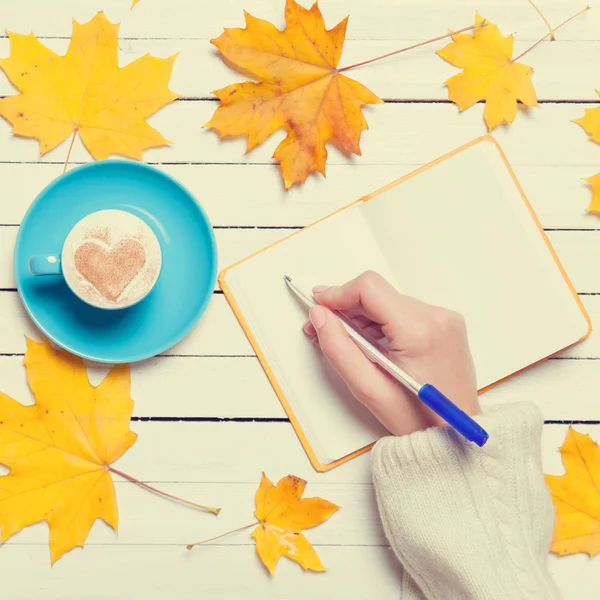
pixel 429 342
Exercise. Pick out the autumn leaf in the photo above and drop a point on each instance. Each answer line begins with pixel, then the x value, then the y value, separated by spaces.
pixel 282 514
pixel 59 450
pixel 489 73
pixel 594 181
pixel 590 122
pixel 86 92
pixel 576 497
pixel 299 89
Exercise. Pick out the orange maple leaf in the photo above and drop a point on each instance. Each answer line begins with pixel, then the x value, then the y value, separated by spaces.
pixel 299 90
pixel 576 497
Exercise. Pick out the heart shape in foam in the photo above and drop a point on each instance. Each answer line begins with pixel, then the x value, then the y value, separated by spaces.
pixel 110 269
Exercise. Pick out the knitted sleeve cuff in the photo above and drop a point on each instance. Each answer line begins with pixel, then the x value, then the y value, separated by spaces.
pixel 434 451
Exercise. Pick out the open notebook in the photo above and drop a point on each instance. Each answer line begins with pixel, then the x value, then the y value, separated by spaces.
pixel 458 233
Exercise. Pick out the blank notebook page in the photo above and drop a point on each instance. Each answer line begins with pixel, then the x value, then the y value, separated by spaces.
pixel 460 235
pixel 330 252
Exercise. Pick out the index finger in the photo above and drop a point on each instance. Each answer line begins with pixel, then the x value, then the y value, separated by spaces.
pixel 370 292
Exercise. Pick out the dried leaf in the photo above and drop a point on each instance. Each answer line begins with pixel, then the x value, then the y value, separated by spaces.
pixel 299 90
pixel 85 91
pixel 576 497
pixel 59 449
pixel 489 73
pixel 282 515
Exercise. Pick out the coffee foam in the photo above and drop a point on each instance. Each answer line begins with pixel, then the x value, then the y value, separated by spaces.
pixel 111 259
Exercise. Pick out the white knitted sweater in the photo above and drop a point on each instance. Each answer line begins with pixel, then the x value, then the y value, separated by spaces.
pixel 469 523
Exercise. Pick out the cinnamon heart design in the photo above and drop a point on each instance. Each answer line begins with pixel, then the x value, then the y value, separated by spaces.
pixel 110 269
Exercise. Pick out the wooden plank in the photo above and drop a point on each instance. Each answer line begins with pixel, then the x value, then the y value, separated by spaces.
pixel 221 387
pixel 220 482
pixel 560 388
pixel 574 249
pixel 189 452
pixel 227 573
pixel 357 524
pixel 378 19
pixel 230 388
pixel 184 387
pixel 398 134
pixel 575 577
pixel 577 250
pixel 158 572
pixel 172 524
pixel 218 332
pixel 227 452
pixel 237 195
pixel 418 74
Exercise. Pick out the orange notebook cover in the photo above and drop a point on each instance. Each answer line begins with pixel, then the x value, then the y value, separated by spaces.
pixel 457 232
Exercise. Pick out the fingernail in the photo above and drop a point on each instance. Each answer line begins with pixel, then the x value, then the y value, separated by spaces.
pixel 319 289
pixel 317 317
pixel 307 327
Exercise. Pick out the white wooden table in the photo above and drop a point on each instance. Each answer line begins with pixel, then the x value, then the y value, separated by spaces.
pixel 208 420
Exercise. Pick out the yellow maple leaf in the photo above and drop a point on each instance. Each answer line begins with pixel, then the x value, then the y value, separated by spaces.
pixel 591 122
pixel 282 515
pixel 594 181
pixel 59 450
pixel 576 497
pixel 86 92
pixel 299 90
pixel 489 73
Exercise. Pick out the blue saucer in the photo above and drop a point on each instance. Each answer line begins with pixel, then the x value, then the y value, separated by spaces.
pixel 181 293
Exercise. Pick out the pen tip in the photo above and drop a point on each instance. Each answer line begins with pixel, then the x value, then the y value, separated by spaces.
pixel 287 278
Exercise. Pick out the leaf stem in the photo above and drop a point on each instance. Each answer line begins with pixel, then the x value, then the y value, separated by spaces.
pixel 190 546
pixel 216 511
pixel 539 12
pixel 70 148
pixel 436 39
pixel 548 35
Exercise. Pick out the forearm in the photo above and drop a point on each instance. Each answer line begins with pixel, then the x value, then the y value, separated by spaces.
pixel 469 523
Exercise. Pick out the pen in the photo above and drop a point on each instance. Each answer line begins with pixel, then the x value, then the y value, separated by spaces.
pixel 427 393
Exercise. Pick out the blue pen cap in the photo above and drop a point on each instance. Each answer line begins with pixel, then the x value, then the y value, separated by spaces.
pixel 454 416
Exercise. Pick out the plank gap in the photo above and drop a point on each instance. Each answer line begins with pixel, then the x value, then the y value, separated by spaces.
pixel 211 419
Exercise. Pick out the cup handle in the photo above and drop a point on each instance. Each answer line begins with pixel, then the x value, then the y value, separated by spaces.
pixel 45 264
